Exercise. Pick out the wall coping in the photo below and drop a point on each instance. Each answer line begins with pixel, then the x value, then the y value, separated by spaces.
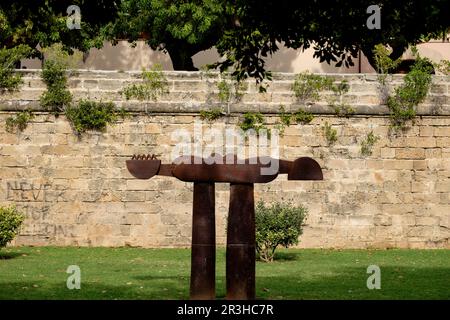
pixel 189 94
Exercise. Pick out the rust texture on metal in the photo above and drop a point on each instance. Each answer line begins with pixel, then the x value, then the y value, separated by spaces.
pixel 241 174
pixel 240 256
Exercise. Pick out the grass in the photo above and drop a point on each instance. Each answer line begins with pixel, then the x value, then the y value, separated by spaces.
pixel 134 273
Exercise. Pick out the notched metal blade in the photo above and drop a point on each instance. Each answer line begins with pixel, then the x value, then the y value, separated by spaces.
pixel 143 169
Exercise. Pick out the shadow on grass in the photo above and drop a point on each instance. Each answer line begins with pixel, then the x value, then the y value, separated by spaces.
pixel 9 255
pixel 397 282
pixel 286 256
pixel 281 256
pixel 157 277
pixel 39 290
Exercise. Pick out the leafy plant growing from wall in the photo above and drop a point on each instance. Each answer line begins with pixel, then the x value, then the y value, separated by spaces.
pixel 154 85
pixel 231 90
pixel 92 115
pixel 414 89
pixel 416 84
pixel 443 67
pixel 56 53
pixel 288 118
pixel 384 65
pixel 253 120
pixel 341 108
pixel 18 122
pixel 58 66
pixel 330 133
pixel 57 96
pixel 307 87
pixel 368 143
pixel 211 115
pixel 10 81
pixel 224 88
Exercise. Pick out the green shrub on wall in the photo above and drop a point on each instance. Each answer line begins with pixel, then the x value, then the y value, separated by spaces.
pixel 212 114
pixel 56 97
pixel 330 134
pixel 9 81
pixel 414 90
pixel 55 74
pixel 18 122
pixel 278 224
pixel 368 143
pixel 92 115
pixel 307 86
pixel 288 118
pixel 443 67
pixel 10 221
pixel 253 121
pixel 154 85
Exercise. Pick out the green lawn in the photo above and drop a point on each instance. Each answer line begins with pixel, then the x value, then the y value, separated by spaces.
pixel 132 273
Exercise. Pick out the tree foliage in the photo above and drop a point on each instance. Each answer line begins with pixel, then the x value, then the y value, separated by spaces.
pixel 244 31
pixel 180 27
pixel 336 31
pixel 43 22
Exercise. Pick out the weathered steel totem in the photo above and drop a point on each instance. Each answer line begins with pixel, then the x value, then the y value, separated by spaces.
pixel 242 175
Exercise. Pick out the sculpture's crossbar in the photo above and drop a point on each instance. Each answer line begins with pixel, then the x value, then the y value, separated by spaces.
pixel 193 169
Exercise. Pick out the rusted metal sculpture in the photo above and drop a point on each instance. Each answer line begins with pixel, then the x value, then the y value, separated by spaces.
pixel 242 175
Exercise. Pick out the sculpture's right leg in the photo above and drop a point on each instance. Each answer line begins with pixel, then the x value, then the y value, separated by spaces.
pixel 203 256
pixel 240 266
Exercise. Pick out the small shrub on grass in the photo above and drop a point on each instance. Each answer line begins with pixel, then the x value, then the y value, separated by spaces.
pixel 92 115
pixel 279 224
pixel 10 221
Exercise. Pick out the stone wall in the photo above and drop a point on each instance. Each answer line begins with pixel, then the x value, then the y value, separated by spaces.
pixel 77 191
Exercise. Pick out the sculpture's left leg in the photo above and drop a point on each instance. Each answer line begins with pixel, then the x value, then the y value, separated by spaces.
pixel 240 266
